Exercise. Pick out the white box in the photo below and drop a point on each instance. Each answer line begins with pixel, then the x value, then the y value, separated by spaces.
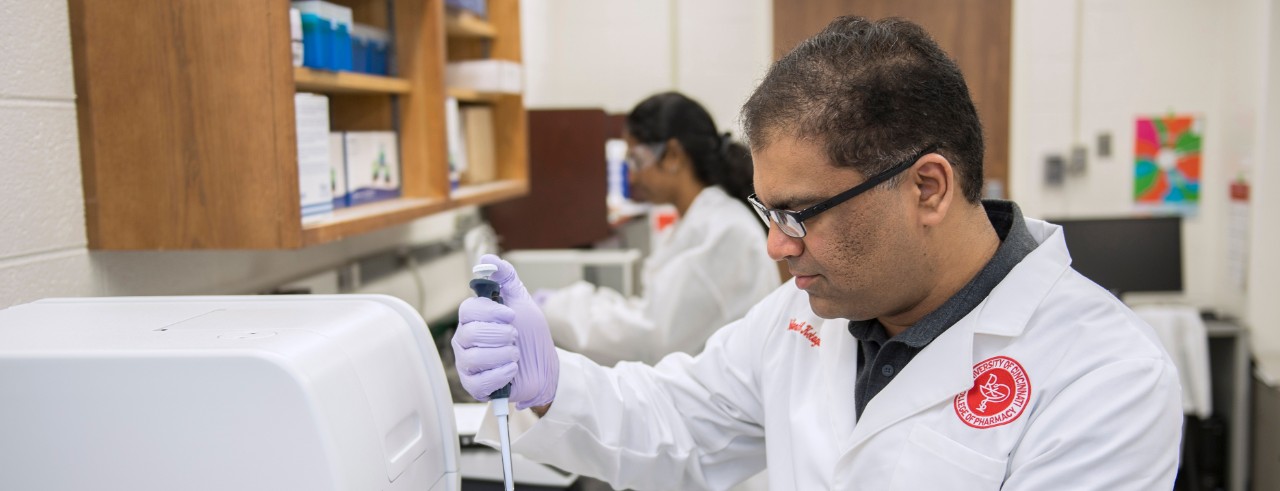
pixel 500 76
pixel 373 166
pixel 458 159
pixel 264 392
pixel 338 170
pixel 314 187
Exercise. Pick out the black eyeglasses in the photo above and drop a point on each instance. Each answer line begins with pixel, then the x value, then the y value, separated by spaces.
pixel 792 222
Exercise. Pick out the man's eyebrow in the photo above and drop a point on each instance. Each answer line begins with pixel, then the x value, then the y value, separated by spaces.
pixel 793 203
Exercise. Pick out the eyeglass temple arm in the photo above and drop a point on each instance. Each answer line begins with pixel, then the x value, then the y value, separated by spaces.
pixel 859 189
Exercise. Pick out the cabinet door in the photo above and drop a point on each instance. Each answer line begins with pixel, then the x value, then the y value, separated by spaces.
pixel 566 202
pixel 186 134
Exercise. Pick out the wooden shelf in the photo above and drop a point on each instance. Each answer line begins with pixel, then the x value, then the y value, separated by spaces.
pixel 491 192
pixel 204 121
pixel 467 25
pixel 359 219
pixel 347 82
pixel 468 95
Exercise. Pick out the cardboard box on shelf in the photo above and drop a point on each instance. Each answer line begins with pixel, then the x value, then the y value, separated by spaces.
pixel 499 76
pixel 477 125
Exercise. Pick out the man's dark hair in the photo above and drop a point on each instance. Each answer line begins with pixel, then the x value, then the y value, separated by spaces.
pixel 873 93
pixel 717 160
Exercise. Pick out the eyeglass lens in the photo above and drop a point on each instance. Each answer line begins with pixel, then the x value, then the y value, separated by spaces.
pixel 786 223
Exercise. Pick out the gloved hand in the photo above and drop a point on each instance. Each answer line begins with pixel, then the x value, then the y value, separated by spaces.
pixel 496 344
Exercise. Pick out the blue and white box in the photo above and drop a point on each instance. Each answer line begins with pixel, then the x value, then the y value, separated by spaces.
pixel 314 188
pixel 326 34
pixel 373 166
pixel 369 50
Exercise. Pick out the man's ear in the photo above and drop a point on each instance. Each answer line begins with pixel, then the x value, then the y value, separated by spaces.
pixel 936 187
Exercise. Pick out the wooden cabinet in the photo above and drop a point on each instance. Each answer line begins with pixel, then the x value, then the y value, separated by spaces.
pixel 187 131
pixel 566 207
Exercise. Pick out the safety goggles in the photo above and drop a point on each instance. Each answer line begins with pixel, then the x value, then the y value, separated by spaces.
pixel 792 222
pixel 642 155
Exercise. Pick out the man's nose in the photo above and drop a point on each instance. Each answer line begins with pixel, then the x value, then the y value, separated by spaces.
pixel 782 246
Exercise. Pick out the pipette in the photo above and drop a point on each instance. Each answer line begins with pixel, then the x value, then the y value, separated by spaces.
pixel 485 287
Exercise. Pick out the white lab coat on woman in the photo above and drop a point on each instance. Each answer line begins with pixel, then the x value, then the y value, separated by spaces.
pixel 1085 398
pixel 708 272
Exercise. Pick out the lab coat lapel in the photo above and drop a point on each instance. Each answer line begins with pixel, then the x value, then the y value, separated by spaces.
pixel 939 372
pixel 839 364
pixel 945 367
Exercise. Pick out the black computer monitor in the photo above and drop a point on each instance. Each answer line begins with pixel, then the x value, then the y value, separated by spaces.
pixel 1130 254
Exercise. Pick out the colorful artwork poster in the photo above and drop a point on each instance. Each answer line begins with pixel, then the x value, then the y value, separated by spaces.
pixel 1167 162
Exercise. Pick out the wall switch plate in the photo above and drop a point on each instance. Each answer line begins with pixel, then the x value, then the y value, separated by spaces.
pixel 1054 170
pixel 1104 144
pixel 1079 160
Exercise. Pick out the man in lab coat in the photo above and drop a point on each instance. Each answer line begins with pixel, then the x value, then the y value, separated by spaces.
pixel 930 340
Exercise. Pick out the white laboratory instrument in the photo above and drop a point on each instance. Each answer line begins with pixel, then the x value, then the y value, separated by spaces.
pixel 315 392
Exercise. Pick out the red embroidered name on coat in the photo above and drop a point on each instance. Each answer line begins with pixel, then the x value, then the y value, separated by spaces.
pixel 807 331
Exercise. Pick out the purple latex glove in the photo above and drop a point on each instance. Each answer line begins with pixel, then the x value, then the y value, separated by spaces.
pixel 496 344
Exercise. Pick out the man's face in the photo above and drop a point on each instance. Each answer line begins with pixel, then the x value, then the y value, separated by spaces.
pixel 858 260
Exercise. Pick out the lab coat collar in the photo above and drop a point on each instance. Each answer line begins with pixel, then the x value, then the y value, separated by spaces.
pixel 1010 305
pixel 945 367
pixel 704 208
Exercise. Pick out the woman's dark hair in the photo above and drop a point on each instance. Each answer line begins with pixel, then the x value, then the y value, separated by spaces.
pixel 717 160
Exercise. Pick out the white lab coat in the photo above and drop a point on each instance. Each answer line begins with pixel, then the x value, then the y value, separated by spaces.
pixel 709 271
pixel 1102 410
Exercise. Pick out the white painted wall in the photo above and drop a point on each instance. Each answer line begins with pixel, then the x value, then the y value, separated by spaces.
pixel 1086 67
pixel 613 54
pixel 584 53
pixel 724 49
pixel 42 234
pixel 1041 100
pixel 1264 274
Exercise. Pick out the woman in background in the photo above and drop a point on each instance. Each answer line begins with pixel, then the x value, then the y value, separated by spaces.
pixel 707 272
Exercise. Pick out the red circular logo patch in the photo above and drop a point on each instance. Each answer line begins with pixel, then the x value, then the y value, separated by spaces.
pixel 1000 392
